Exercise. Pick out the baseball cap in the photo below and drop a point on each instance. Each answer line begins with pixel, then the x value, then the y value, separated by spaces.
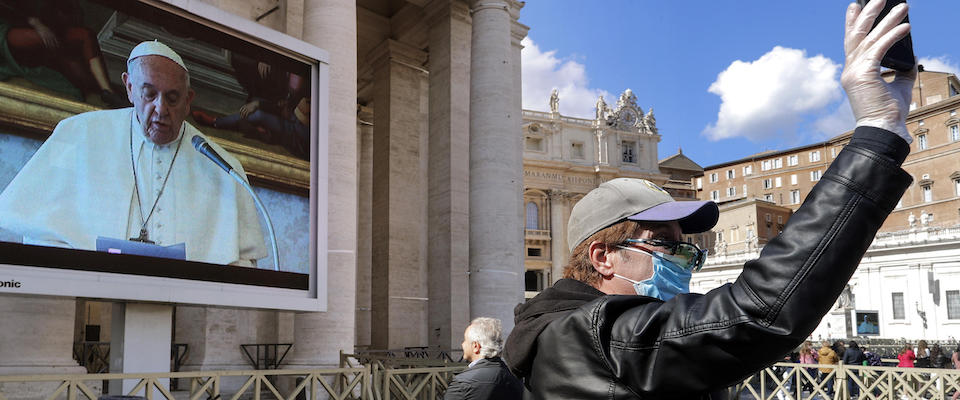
pixel 155 48
pixel 638 200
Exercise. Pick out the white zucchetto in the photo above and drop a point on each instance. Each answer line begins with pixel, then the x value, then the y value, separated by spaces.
pixel 155 48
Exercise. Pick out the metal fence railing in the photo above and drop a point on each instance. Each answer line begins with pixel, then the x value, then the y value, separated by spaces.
pixel 424 376
pixel 333 383
pixel 796 381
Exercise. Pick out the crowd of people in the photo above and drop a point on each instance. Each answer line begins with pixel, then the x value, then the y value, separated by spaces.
pixel 829 354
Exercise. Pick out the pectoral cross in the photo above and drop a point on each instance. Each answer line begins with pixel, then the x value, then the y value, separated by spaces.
pixel 143 237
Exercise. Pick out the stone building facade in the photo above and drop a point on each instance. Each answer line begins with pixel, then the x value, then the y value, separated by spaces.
pixel 565 157
pixel 911 274
pixel 425 171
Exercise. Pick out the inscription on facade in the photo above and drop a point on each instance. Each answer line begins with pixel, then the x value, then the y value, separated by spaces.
pixel 560 178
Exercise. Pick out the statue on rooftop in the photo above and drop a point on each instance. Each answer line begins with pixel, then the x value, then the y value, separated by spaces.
pixel 601 109
pixel 555 101
pixel 650 122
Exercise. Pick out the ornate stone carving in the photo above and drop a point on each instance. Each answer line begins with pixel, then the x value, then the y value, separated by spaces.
pixel 628 116
pixel 555 101
pixel 650 122
pixel 558 195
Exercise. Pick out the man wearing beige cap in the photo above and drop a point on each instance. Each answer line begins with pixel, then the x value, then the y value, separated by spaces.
pixel 132 174
pixel 622 325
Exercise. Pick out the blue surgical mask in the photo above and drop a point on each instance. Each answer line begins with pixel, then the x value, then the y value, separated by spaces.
pixel 668 278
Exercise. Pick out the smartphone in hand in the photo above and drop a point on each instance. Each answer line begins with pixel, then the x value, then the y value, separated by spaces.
pixel 900 57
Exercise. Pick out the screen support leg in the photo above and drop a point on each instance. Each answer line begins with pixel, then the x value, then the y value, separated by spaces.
pixel 140 337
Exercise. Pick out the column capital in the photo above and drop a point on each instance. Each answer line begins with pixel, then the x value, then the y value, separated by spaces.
pixel 480 5
pixel 558 195
pixel 438 10
pixel 364 115
pixel 398 53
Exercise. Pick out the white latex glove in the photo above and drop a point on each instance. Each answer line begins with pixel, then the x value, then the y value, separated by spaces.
pixel 875 102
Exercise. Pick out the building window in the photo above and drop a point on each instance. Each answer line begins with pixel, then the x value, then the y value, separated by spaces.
pixel 815 156
pixel 765 165
pixel 715 195
pixel 532 216
pixel 533 280
pixel 921 123
pixel 744 190
pixel 922 142
pixel 534 144
pixel 898 312
pixel 956 186
pixel 719 236
pixel 833 152
pixel 778 163
pixel 953 304
pixel 731 174
pixel 767 183
pixel 794 197
pixel 747 170
pixel 815 176
pixel 793 160
pixel 534 252
pixel 778 181
pixel 699 183
pixel 629 151
pixel 779 219
pixel 714 177
pixel 767 217
pixel 927 193
pixel 793 179
pixel 731 191
pixel 576 151
pixel 954 132
pixel 768 197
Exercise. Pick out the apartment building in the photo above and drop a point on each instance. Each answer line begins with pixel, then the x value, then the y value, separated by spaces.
pixel 910 276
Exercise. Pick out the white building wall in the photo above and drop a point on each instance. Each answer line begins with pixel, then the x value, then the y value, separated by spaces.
pixel 900 262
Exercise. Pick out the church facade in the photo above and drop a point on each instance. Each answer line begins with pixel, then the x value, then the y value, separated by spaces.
pixel 565 157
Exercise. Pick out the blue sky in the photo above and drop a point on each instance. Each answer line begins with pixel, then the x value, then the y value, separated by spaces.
pixel 726 79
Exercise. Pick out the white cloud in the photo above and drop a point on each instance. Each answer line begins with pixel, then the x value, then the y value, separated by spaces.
pixel 544 71
pixel 939 64
pixel 773 94
pixel 837 122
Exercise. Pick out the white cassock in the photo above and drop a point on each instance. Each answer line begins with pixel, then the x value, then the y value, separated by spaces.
pixel 80 185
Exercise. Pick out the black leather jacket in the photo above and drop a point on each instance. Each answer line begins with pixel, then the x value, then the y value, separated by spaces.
pixel 574 342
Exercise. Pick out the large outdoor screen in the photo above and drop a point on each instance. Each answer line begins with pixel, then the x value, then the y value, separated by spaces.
pixel 94 204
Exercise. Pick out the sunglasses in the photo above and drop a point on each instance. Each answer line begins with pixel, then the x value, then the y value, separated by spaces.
pixel 686 255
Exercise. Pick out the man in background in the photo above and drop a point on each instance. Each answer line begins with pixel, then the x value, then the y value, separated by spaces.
pixel 487 377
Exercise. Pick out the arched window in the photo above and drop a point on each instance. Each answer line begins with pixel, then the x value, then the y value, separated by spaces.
pixel 532 216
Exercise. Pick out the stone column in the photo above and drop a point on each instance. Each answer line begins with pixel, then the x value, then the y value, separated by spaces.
pixel 496 168
pixel 398 297
pixel 36 337
pixel 365 223
pixel 318 337
pixel 558 234
pixel 449 172
pixel 214 335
